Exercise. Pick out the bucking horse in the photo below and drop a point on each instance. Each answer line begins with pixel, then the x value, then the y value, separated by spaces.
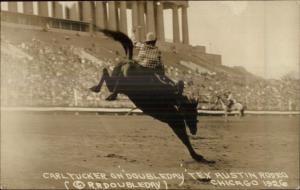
pixel 152 95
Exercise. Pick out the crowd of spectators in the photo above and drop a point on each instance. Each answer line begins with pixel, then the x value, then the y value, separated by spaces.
pixel 255 93
pixel 56 75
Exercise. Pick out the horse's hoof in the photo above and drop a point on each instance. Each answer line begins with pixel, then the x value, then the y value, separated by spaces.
pixel 193 130
pixel 207 161
pixel 201 159
pixel 111 97
pixel 95 89
pixel 105 71
pixel 180 87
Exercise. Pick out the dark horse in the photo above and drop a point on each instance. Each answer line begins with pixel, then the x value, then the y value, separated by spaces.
pixel 153 96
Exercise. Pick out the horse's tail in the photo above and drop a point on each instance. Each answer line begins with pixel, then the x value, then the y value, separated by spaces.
pixel 126 42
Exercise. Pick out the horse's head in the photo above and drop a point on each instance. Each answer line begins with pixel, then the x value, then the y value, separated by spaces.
pixel 189 110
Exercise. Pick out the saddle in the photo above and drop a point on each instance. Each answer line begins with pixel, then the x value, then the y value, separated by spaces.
pixel 153 78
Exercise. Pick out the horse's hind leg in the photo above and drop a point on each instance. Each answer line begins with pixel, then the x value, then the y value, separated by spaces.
pixel 104 76
pixel 180 131
pixel 242 111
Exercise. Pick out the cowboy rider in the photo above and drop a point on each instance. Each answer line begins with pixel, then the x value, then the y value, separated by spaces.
pixel 230 99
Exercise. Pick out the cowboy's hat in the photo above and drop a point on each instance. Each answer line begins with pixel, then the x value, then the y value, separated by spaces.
pixel 150 37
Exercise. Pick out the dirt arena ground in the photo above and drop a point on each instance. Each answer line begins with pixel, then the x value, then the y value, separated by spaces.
pixel 35 145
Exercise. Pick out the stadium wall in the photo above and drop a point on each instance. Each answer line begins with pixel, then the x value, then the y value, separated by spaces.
pixel 136 111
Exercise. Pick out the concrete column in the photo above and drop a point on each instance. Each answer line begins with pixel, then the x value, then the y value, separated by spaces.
pixel 28 7
pixel 112 23
pixel 74 12
pixel 123 17
pixel 93 12
pixel 150 17
pixel 185 28
pixel 80 10
pixel 176 36
pixel 135 20
pixel 141 10
pixel 57 11
pixel 12 6
pixel 105 15
pixel 86 11
pixel 67 12
pixel 43 8
pixel 160 22
pixel 101 14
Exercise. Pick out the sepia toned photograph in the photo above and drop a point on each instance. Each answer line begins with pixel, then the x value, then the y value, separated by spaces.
pixel 150 95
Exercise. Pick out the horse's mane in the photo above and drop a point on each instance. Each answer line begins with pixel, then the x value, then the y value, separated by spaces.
pixel 126 42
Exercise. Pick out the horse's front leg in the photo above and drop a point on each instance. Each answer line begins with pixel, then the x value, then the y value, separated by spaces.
pixel 104 77
pixel 241 114
pixel 226 114
pixel 180 131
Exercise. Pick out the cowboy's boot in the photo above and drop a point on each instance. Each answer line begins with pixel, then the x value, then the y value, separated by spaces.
pixel 179 90
pixel 180 87
pixel 177 87
pixel 113 96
